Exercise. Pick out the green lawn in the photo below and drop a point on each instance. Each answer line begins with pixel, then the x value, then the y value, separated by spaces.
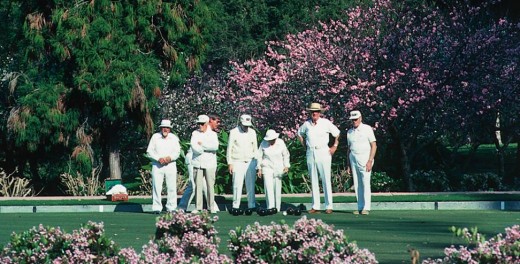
pixel 386 233
pixel 338 198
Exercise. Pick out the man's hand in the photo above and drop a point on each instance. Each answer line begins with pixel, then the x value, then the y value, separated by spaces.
pixel 369 165
pixel 285 170
pixel 333 149
pixel 230 168
pixel 259 173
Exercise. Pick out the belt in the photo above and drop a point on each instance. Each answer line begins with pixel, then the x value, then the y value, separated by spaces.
pixel 317 147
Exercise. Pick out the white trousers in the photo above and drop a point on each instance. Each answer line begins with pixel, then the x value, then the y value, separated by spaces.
pixel 244 171
pixel 273 188
pixel 361 180
pixel 319 163
pixel 159 173
pixel 206 177
pixel 188 194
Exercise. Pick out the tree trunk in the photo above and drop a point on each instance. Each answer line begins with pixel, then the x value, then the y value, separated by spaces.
pixel 114 161
pixel 405 164
pixel 114 164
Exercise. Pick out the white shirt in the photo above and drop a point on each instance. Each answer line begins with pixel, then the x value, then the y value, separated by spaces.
pixel 242 146
pixel 317 135
pixel 359 139
pixel 204 155
pixel 160 147
pixel 274 157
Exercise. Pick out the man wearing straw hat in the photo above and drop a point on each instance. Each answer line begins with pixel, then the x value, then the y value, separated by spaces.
pixel 314 136
pixel 163 150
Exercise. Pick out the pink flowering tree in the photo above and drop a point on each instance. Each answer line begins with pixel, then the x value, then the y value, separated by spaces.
pixel 415 73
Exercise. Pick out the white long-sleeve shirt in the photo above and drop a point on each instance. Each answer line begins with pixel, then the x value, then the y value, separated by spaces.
pixel 242 146
pixel 274 157
pixel 161 147
pixel 204 155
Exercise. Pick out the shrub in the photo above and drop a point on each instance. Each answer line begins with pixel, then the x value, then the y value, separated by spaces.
pixel 496 250
pixel 430 181
pixel 309 241
pixel 381 182
pixel 486 181
pixel 11 186
pixel 180 238
pixel 83 186
pixel 52 245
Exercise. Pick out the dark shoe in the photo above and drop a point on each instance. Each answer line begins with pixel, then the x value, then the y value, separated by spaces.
pixel 314 211
pixel 156 212
pixel 328 211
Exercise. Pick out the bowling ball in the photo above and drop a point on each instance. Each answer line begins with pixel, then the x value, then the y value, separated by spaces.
pixel 297 211
pixel 290 211
pixel 262 212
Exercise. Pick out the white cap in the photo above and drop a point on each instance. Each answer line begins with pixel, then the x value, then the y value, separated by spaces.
pixel 354 114
pixel 245 120
pixel 202 119
pixel 166 123
pixel 270 135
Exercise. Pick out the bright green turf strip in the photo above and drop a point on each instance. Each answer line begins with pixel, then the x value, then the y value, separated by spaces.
pixel 386 233
pixel 337 199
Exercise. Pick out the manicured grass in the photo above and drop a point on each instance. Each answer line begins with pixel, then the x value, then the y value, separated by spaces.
pixel 338 198
pixel 386 233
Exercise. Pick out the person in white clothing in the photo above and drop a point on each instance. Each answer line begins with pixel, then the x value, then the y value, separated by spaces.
pixel 272 164
pixel 187 196
pixel 204 145
pixel 361 152
pixel 240 155
pixel 163 150
pixel 314 136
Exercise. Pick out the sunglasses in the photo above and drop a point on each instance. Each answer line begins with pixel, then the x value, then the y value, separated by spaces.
pixel 354 120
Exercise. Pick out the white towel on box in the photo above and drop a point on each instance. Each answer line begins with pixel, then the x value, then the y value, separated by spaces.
pixel 117 189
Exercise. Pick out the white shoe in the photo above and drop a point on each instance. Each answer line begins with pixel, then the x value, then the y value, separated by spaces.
pixel 195 211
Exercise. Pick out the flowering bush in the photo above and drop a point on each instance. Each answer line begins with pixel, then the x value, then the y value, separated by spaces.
pixel 179 224
pixel 51 244
pixel 180 238
pixel 496 250
pixel 309 241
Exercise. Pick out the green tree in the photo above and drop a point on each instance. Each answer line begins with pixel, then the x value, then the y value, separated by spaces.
pixel 93 69
pixel 242 27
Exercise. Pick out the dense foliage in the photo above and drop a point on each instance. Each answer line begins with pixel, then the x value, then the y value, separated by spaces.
pixel 90 70
pixel 84 82
pixel 192 238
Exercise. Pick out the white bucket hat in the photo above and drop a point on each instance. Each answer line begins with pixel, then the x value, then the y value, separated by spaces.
pixel 354 114
pixel 166 123
pixel 245 120
pixel 202 119
pixel 270 135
